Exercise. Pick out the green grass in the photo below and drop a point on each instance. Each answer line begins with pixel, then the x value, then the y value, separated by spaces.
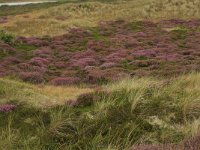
pixel 24 47
pixel 136 26
pixel 121 114
pixel 131 111
pixel 179 33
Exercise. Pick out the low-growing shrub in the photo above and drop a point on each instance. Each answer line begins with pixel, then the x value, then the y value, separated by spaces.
pixel 6 37
pixel 32 77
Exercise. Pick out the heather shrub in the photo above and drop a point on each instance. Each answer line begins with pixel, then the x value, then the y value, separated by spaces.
pixel 83 62
pixel 36 42
pixel 6 50
pixel 145 53
pixel 94 75
pixel 97 45
pixel 12 60
pixel 60 65
pixel 152 51
pixel 170 57
pixel 3 20
pixel 2 71
pixel 4 108
pixel 38 61
pixel 192 143
pixel 116 56
pixel 32 77
pixel 131 43
pixel 43 50
pixel 85 54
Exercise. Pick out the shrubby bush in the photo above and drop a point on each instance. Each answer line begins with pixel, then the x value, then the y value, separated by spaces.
pixel 6 37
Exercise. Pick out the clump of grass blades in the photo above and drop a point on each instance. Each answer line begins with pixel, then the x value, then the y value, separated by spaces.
pixel 132 111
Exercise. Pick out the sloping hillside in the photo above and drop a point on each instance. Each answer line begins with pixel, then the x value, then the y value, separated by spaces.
pixel 129 112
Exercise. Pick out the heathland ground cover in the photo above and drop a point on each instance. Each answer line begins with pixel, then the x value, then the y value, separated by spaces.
pixel 98 75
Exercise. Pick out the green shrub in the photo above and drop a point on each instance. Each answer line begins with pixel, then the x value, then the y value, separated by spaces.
pixel 5 37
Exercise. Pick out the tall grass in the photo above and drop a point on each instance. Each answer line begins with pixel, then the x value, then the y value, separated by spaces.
pixel 166 9
pixel 126 113
pixel 58 19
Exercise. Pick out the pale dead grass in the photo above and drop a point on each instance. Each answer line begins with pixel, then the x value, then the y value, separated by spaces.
pixel 87 14
pixel 59 19
pixel 38 95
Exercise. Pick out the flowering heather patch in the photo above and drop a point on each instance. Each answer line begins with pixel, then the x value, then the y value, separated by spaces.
pixel 60 65
pixel 7 48
pixel 27 67
pixel 94 75
pixel 83 62
pixel 7 107
pixel 63 55
pixel 43 51
pixel 86 53
pixel 13 60
pixel 131 43
pixel 97 45
pixel 2 71
pixel 3 20
pixel 193 143
pixel 69 73
pixel 116 56
pixel 136 48
pixel 145 53
pixel 140 34
pixel 38 61
pixel 171 57
pixel 36 42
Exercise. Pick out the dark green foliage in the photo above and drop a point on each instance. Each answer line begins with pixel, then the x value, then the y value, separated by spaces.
pixel 96 34
pixel 136 26
pixel 179 34
pixel 126 64
pixel 5 37
pixel 25 119
pixel 24 47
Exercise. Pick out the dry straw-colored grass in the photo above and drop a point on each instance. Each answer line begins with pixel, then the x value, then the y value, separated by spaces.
pixel 59 19
pixel 167 9
pixel 38 95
